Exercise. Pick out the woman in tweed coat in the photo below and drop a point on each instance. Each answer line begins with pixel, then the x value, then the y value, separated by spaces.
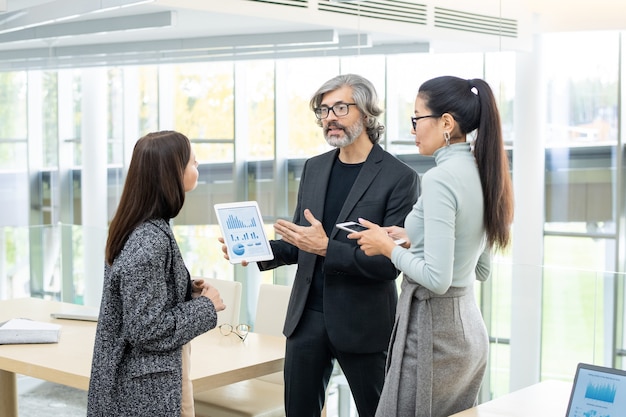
pixel 439 344
pixel 150 310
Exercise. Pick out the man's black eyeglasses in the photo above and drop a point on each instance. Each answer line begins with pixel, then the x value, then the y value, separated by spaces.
pixel 415 119
pixel 340 109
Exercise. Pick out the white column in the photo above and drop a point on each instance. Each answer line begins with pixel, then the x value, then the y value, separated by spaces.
pixel 94 179
pixel 4 279
pixel 40 258
pixel 64 190
pixel 285 274
pixel 166 97
pixel 529 186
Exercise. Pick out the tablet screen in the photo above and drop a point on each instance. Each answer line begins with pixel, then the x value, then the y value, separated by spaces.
pixel 242 229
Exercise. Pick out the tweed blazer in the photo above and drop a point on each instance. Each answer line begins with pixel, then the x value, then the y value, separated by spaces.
pixel 360 294
pixel 144 322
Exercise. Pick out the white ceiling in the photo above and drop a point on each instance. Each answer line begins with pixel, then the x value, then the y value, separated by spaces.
pixel 75 31
pixel 578 15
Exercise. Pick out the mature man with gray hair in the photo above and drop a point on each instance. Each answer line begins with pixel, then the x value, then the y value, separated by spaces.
pixel 343 302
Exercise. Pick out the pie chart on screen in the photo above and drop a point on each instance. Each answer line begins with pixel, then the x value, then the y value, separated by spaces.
pixel 238 249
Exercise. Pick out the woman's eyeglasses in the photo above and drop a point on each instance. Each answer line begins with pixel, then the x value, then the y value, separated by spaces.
pixel 241 330
pixel 415 119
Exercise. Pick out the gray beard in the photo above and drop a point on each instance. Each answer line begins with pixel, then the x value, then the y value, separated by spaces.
pixel 350 135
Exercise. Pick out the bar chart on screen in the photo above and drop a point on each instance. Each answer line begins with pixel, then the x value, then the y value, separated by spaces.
pixel 242 229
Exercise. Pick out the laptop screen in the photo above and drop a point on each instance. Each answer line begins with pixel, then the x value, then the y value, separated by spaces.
pixel 597 392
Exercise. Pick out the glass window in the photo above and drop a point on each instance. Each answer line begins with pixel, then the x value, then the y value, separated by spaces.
pixel 305 76
pixel 405 73
pixel 500 74
pixel 582 120
pixel 582 93
pixel 582 97
pixel 574 303
pixel 115 129
pixel 371 67
pixel 14 186
pixel 580 200
pixel 573 323
pixel 499 374
pixel 260 109
pixel 14 181
pixel 14 262
pixel 50 125
pixel 494 297
pixel 13 89
pixel 204 108
pixel 148 99
pixel 77 92
pixel 204 111
pixel 402 88
pixel 202 251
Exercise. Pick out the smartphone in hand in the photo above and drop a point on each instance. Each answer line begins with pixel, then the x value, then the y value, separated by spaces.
pixel 352 227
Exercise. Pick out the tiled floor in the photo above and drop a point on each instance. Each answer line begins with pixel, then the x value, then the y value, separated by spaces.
pixel 45 399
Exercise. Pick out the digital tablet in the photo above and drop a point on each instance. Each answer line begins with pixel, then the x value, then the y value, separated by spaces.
pixel 351 227
pixel 242 229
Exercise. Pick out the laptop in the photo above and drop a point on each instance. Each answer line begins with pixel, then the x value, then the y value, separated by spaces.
pixel 83 313
pixel 597 392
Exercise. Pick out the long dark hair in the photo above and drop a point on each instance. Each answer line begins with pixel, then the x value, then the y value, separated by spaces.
pixel 154 187
pixel 473 106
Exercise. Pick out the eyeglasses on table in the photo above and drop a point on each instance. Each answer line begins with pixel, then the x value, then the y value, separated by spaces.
pixel 241 330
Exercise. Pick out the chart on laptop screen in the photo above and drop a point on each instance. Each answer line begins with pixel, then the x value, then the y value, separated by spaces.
pixel 598 392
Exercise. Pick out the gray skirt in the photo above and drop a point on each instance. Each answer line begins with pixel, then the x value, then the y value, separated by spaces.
pixel 437 354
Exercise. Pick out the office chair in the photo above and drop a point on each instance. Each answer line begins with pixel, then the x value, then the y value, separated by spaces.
pixel 257 397
pixel 231 294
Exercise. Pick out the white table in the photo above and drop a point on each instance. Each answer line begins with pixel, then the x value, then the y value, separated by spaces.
pixel 216 360
pixel 545 399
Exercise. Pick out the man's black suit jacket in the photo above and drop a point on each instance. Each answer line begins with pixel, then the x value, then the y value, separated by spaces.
pixel 360 294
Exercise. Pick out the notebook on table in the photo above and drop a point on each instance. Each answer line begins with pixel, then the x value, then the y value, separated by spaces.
pixel 597 392
pixel 84 313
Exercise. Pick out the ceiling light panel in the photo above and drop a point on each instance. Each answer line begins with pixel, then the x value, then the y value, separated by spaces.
pixel 62 10
pixel 92 26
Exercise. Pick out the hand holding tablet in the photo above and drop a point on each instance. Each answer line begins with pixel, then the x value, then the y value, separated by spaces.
pixel 352 227
pixel 242 229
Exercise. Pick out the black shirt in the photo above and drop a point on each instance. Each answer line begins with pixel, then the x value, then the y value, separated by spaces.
pixel 342 177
